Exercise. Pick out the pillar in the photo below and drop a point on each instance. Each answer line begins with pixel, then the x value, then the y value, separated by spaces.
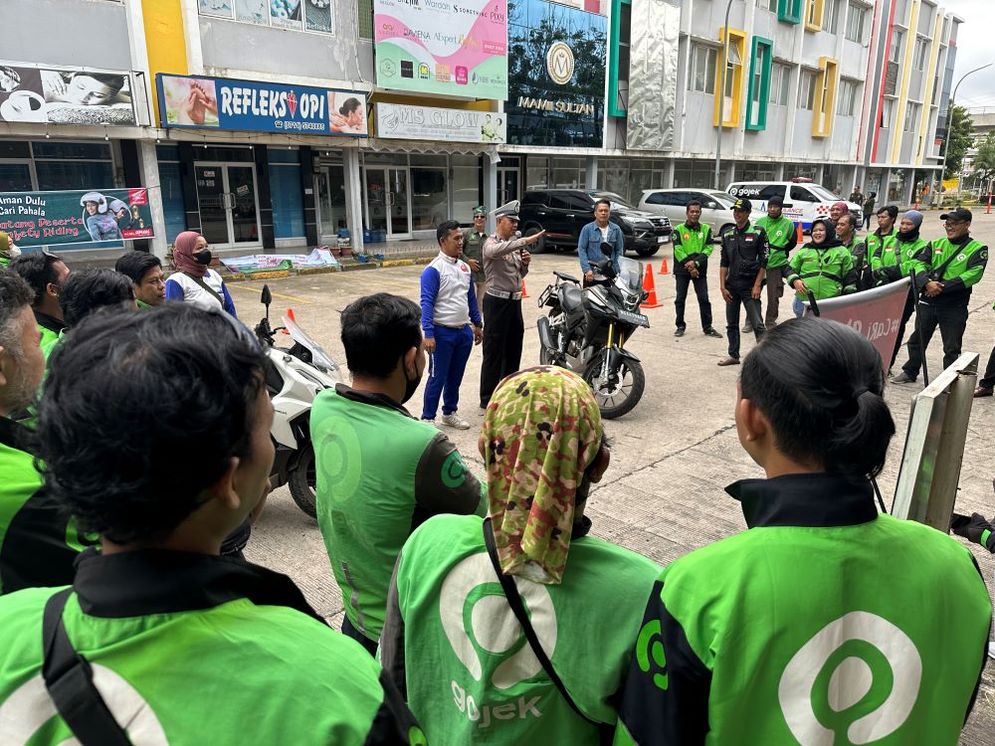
pixel 261 155
pixel 591 169
pixel 490 188
pixel 354 196
pixel 307 189
pixel 150 170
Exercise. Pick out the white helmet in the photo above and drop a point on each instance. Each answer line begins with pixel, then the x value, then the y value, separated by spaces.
pixel 117 205
pixel 97 197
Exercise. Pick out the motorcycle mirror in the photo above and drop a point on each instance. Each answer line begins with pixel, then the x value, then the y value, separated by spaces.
pixel 267 297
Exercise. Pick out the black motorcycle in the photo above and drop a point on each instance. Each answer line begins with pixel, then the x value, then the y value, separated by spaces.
pixel 585 331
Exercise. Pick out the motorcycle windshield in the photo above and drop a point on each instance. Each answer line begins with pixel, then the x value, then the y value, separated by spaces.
pixel 630 274
pixel 318 354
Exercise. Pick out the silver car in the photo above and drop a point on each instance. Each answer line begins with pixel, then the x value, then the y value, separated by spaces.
pixel 716 207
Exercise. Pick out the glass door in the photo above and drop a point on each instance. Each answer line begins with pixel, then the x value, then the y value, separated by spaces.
pixel 388 201
pixel 376 199
pixel 400 203
pixel 228 204
pixel 243 208
pixel 213 203
pixel 330 188
pixel 507 185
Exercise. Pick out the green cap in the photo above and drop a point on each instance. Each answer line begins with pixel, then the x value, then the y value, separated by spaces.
pixel 479 210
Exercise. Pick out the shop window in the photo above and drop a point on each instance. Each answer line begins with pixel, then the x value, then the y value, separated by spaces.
pixel 730 103
pixel 171 188
pixel 58 175
pixel 317 16
pixel 789 11
pixel 814 13
pixel 429 197
pixel 761 60
pixel 287 200
pixel 825 97
pixel 466 187
pixel 72 150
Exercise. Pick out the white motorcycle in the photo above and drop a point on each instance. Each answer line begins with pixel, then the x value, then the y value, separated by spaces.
pixel 294 377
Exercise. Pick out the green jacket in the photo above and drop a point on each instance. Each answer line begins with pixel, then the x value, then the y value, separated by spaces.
pixel 380 474
pixel 895 258
pixel 827 271
pixel 781 237
pixel 958 266
pixel 142 305
pixel 50 329
pixel 194 649
pixel 454 648
pixel 875 243
pixel 823 623
pixel 38 545
pixel 692 243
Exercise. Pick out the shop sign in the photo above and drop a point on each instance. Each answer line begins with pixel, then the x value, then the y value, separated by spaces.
pixel 452 47
pixel 51 95
pixel 68 217
pixel 402 122
pixel 218 103
pixel 556 74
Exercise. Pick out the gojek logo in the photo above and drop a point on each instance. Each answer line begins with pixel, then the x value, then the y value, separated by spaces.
pixel 471 592
pixel 650 654
pixel 856 681
pixel 30 707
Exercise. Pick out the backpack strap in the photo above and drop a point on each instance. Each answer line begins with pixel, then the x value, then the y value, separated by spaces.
pixel 515 601
pixel 213 293
pixel 69 681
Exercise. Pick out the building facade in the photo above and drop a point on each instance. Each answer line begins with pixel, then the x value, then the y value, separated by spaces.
pixel 270 126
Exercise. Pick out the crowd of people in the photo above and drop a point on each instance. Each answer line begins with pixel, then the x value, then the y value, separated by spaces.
pixel 477 609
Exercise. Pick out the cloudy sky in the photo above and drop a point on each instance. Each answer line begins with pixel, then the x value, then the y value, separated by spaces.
pixel 974 48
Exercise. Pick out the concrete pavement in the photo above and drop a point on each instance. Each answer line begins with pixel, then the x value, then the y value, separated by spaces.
pixel 671 457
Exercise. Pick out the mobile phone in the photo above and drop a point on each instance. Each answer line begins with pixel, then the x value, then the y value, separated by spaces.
pixel 959 521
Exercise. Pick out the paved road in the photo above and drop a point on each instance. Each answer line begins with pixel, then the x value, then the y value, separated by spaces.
pixel 672 456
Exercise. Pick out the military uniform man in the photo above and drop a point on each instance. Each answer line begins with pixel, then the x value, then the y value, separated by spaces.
pixel 473 252
pixel 782 237
pixel 692 247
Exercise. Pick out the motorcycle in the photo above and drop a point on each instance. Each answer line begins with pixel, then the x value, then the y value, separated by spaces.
pixel 294 377
pixel 585 330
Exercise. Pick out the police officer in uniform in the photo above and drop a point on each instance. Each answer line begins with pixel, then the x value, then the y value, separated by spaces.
pixel 506 262
pixel 741 275
pixel 473 252
pixel 782 237
pixel 953 265
pixel 692 247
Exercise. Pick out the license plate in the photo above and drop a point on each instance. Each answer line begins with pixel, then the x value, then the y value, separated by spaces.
pixel 661 239
pixel 638 319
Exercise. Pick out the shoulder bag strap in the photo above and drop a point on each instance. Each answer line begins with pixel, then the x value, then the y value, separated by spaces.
pixel 214 293
pixel 69 681
pixel 515 601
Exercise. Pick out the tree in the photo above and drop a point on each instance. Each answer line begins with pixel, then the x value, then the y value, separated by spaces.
pixel 984 161
pixel 958 140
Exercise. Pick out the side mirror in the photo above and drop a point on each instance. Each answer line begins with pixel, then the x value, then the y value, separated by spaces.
pixel 266 297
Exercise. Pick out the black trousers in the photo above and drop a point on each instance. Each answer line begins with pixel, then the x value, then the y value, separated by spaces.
pixel 989 379
pixel 684 279
pixel 910 308
pixel 744 297
pixel 350 631
pixel 952 321
pixel 504 329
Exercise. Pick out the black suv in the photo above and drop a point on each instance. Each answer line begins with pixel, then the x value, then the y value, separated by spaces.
pixel 563 212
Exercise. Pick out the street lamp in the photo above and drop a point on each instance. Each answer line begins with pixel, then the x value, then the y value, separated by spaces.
pixel 950 121
pixel 722 96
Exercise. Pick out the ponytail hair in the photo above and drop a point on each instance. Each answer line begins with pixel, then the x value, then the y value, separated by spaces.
pixel 820 384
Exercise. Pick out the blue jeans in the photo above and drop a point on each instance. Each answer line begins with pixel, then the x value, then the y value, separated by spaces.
pixel 446 367
pixel 798 307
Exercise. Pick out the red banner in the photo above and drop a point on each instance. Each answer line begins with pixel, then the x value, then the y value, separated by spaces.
pixel 875 313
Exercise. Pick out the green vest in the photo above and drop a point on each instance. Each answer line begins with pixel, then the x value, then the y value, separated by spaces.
pixel 4 261
pixel 815 626
pixel 962 267
pixel 692 243
pixel 875 243
pixel 48 340
pixel 379 474
pixel 894 259
pixel 37 544
pixel 199 669
pixel 472 677
pixel 825 272
pixel 779 233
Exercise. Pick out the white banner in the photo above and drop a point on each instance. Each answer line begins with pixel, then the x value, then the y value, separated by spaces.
pixel 403 122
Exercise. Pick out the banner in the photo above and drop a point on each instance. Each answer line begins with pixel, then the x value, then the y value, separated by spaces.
pixel 556 75
pixel 403 122
pixel 218 103
pixel 875 313
pixel 59 218
pixel 437 46
pixel 64 96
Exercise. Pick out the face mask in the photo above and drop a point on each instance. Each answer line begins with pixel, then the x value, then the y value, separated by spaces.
pixel 410 386
pixel 203 256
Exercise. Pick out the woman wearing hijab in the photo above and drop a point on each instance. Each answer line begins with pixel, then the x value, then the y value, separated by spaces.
pixel 823 266
pixel 194 282
pixel 824 622
pixel 474 675
pixel 8 252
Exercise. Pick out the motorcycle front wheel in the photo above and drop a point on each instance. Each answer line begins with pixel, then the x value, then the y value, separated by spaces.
pixel 623 389
pixel 301 482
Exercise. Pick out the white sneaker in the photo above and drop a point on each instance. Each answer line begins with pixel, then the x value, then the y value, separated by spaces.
pixel 455 421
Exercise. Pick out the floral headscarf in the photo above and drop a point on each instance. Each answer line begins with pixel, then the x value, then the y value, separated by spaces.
pixel 541 432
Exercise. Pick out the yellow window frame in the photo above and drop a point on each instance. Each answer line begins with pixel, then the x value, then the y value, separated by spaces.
pixel 734 78
pixel 824 104
pixel 814 14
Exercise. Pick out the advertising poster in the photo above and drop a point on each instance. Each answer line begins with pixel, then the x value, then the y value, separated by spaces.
pixel 217 103
pixel 556 75
pixel 454 47
pixel 294 15
pixel 64 96
pixel 403 122
pixel 59 218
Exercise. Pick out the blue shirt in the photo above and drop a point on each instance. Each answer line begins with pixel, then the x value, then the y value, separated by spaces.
pixel 589 245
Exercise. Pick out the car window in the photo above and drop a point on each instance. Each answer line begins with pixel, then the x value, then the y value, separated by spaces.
pixel 775 190
pixel 801 194
pixel 655 198
pixel 580 202
pixel 559 201
pixel 534 198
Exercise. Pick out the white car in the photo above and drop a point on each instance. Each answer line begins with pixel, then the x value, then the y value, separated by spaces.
pixel 804 201
pixel 716 206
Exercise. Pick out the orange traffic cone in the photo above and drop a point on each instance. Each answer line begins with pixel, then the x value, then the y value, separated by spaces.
pixel 799 234
pixel 649 286
pixel 525 293
pixel 663 267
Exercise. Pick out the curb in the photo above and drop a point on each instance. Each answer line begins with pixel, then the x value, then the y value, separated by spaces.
pixel 353 266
